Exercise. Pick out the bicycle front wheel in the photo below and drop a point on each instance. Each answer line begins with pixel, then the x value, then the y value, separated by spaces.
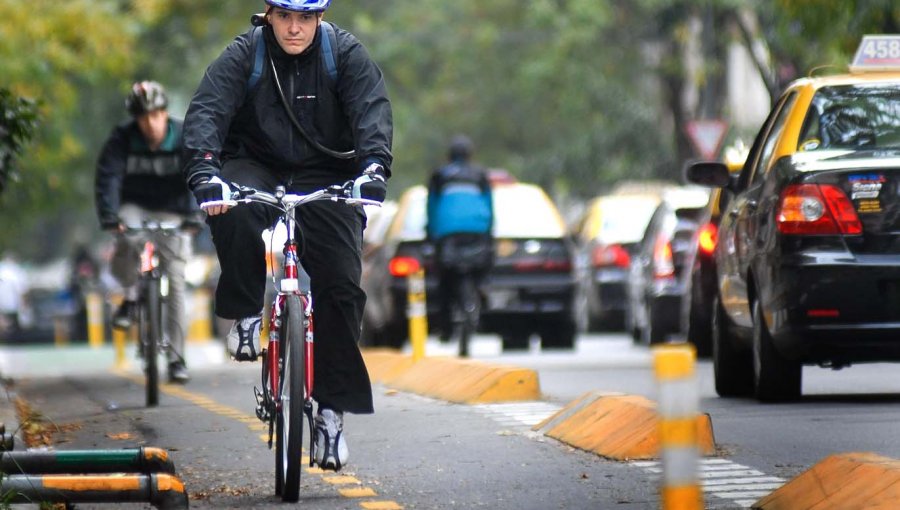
pixel 151 333
pixel 289 421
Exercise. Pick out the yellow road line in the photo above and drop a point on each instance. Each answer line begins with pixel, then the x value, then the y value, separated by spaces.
pixel 251 422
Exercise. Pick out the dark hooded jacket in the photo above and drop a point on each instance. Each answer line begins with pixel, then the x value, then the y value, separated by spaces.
pixel 226 120
pixel 129 172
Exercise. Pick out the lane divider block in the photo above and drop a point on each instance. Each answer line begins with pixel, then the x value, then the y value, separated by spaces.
pixel 843 480
pixel 616 426
pixel 453 379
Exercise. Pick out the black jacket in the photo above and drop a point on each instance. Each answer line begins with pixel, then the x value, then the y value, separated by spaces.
pixel 129 172
pixel 225 120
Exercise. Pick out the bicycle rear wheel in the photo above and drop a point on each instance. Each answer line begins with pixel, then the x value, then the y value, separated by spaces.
pixel 470 310
pixel 289 421
pixel 151 332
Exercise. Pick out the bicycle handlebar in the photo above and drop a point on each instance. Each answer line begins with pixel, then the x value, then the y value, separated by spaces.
pixel 155 226
pixel 288 201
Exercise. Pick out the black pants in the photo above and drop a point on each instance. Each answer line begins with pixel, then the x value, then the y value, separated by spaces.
pixel 459 256
pixel 330 245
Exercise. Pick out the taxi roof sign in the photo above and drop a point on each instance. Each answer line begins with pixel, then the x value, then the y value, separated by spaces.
pixel 877 53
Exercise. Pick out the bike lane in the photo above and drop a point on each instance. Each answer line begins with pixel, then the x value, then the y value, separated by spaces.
pixel 414 452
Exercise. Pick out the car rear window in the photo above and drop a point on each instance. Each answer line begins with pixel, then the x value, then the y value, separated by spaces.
pixel 520 211
pixel 853 117
pixel 525 211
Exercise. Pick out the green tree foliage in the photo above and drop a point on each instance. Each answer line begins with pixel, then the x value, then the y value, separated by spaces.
pixel 573 94
pixel 18 121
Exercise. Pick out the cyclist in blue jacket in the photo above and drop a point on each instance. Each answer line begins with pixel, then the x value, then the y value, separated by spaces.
pixel 460 218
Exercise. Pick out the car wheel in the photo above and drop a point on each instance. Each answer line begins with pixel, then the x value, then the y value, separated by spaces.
pixel 732 369
pixel 558 335
pixel 699 330
pixel 776 378
pixel 515 340
pixel 631 325
pixel 655 330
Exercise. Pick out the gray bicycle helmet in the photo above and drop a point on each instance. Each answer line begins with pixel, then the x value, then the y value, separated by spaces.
pixel 301 5
pixel 146 96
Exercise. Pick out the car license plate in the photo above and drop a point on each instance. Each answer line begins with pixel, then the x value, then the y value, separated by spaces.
pixel 499 299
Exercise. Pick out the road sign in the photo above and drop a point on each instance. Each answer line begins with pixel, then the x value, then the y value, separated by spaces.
pixel 707 136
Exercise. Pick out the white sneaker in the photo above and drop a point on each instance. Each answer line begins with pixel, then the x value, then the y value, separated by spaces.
pixel 243 339
pixel 331 448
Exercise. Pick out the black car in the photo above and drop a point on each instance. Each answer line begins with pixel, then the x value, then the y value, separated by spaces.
pixel 658 268
pixel 808 258
pixel 531 289
pixel 700 285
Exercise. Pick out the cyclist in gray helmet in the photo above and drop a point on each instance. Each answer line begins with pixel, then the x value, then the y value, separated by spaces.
pixel 307 110
pixel 139 178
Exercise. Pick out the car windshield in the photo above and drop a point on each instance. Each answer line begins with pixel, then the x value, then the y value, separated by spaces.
pixel 853 117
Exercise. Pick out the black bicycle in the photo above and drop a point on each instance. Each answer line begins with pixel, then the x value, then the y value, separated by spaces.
pixel 153 290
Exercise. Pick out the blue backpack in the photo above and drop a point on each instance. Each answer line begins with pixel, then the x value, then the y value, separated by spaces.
pixel 328 47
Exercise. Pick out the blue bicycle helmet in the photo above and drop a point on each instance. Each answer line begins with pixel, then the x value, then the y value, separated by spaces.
pixel 301 5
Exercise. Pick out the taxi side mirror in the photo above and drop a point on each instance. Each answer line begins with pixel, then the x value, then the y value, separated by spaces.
pixel 712 174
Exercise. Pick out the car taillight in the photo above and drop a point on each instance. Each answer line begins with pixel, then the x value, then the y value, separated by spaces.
pixel 817 209
pixel 612 255
pixel 706 238
pixel 663 265
pixel 404 266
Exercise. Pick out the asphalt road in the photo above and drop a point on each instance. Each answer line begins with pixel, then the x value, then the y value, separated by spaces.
pixel 416 452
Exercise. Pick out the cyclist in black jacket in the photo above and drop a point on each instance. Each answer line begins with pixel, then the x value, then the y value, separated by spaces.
pixel 297 127
pixel 139 177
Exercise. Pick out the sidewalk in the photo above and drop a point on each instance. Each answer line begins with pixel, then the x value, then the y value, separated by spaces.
pixel 19 362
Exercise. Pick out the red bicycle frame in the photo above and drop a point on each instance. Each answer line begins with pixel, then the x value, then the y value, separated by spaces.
pixel 291 274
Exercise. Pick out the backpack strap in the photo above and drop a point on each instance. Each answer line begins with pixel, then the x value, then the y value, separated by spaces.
pixel 329 49
pixel 259 57
pixel 328 46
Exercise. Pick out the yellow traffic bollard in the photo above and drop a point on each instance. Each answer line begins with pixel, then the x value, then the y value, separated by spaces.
pixel 417 313
pixel 94 305
pixel 678 406
pixel 200 328
pixel 119 337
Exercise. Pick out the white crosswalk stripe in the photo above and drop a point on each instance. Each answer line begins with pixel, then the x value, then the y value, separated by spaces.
pixel 726 484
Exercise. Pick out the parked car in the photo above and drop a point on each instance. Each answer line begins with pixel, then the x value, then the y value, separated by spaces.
pixel 658 268
pixel 607 234
pixel 700 285
pixel 531 289
pixel 808 259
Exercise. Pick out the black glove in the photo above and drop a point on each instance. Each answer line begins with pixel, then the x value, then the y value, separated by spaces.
pixel 110 223
pixel 371 184
pixel 212 190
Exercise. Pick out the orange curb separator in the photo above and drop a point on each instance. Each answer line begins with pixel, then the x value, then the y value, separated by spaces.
pixel 844 480
pixel 617 426
pixel 453 379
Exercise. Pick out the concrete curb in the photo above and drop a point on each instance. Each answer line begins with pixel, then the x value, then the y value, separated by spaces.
pixel 844 480
pixel 452 379
pixel 616 426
